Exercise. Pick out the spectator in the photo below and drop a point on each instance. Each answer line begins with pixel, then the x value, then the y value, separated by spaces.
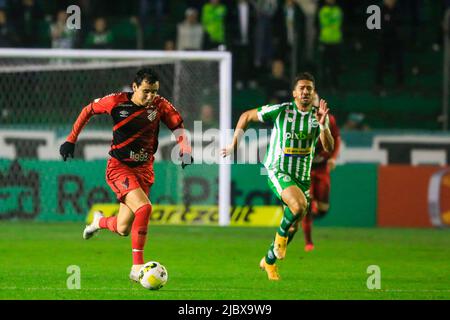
pixel 240 23
pixel 309 8
pixel 330 38
pixel 190 32
pixel 213 21
pixel 355 121
pixel 440 14
pixel 265 10
pixel 27 15
pixel 390 51
pixel 277 84
pixel 413 8
pixel 289 34
pixel 8 38
pixel 153 13
pixel 101 37
pixel 62 36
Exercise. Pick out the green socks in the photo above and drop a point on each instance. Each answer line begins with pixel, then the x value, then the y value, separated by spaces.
pixel 286 222
pixel 283 230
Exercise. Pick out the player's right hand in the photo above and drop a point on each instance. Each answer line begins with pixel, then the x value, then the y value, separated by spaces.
pixel 225 152
pixel 67 149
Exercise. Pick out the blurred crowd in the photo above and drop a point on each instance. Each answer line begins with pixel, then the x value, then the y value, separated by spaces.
pixel 271 40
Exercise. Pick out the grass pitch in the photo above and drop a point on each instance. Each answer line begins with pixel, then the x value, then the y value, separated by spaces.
pixel 222 263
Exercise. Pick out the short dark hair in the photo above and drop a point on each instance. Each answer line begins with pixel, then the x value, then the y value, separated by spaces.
pixel 145 74
pixel 304 76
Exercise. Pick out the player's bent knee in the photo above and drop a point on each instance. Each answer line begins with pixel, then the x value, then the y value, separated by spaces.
pixel 298 208
pixel 123 230
pixel 323 206
pixel 322 209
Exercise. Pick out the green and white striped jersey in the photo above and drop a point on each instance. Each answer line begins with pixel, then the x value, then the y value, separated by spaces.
pixel 293 139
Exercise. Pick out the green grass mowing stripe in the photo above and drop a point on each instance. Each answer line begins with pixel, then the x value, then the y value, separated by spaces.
pixel 221 263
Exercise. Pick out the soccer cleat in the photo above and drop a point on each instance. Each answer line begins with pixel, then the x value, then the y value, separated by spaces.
pixel 279 246
pixel 271 269
pixel 92 228
pixel 309 247
pixel 134 273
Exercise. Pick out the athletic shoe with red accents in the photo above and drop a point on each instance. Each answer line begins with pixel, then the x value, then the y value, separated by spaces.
pixel 91 229
pixel 309 247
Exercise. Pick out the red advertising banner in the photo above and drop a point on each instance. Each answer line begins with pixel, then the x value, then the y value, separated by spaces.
pixel 413 196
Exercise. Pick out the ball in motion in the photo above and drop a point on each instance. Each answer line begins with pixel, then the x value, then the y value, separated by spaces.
pixel 153 275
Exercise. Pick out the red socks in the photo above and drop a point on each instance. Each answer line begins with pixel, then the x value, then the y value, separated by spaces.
pixel 307 226
pixel 109 223
pixel 139 232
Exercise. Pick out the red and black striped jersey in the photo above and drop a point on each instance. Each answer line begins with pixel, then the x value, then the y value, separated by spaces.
pixel 321 156
pixel 136 128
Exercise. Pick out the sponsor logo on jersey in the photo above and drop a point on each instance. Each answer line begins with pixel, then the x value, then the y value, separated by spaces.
pixel 297 135
pixel 297 151
pixel 139 156
pixel 124 113
pixel 152 114
pixel 287 179
pixel 314 123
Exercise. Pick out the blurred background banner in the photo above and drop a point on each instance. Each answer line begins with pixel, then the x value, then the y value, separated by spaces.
pixel 58 191
pixel 413 196
pixel 364 195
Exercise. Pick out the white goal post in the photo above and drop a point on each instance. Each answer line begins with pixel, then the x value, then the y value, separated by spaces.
pixel 127 56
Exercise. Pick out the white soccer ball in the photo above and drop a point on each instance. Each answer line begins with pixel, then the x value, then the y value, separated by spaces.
pixel 153 275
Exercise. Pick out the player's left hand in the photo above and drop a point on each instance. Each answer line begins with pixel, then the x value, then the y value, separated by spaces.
pixel 186 159
pixel 331 164
pixel 322 112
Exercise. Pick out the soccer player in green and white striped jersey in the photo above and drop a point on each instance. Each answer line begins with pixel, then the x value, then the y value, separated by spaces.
pixel 297 126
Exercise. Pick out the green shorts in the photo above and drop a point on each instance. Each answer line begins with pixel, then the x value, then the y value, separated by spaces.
pixel 278 181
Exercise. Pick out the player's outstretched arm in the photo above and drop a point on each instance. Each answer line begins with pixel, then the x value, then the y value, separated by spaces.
pixel 98 106
pixel 185 146
pixel 245 118
pixel 67 149
pixel 325 134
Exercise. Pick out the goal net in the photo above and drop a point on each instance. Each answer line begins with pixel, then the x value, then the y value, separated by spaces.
pixel 42 93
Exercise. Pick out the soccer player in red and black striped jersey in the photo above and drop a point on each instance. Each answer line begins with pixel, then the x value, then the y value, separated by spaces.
pixel 323 163
pixel 129 172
